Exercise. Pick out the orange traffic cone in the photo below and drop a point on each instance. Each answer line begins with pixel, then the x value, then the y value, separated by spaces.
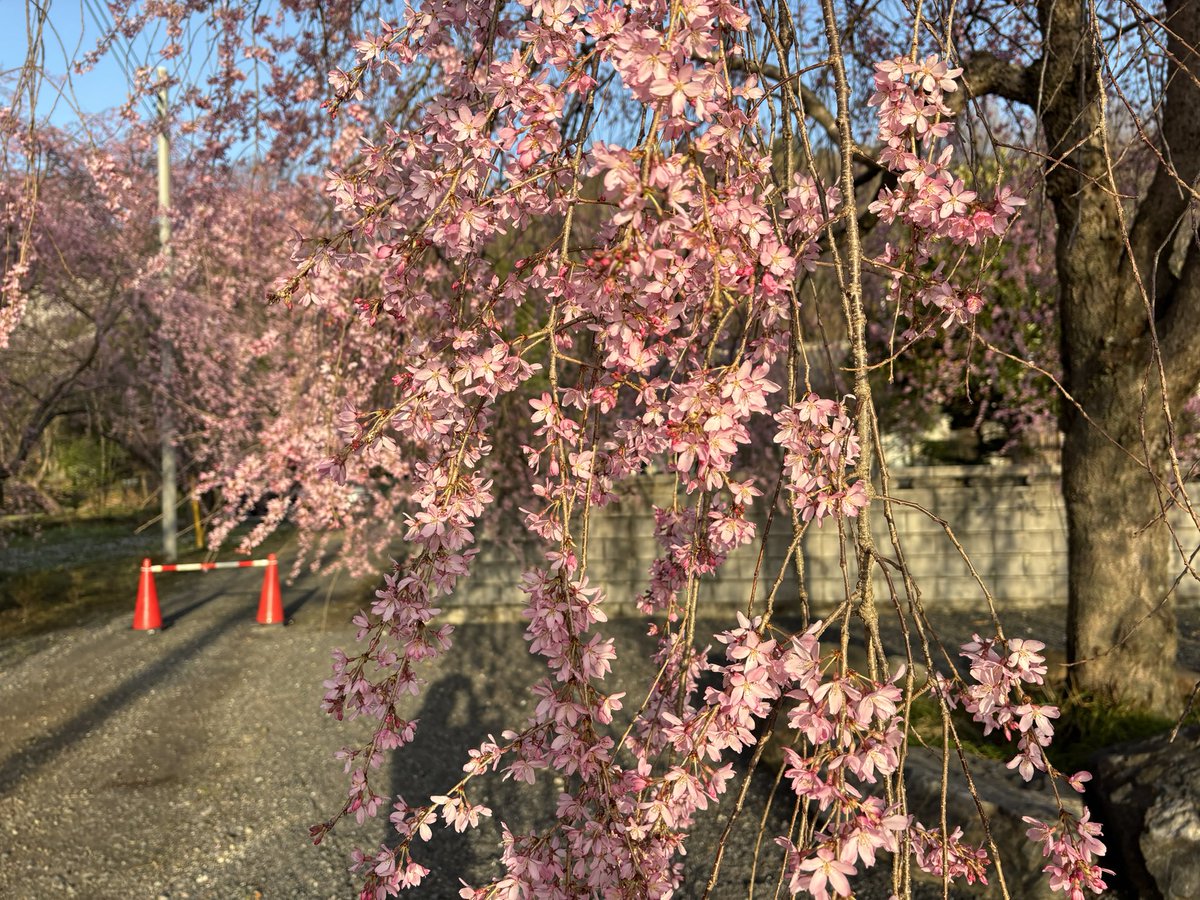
pixel 146 616
pixel 270 605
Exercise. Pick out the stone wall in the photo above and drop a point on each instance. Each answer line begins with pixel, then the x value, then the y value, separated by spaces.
pixel 1009 520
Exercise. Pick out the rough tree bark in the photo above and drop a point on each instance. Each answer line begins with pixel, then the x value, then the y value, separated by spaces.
pixel 1129 302
pixel 1130 341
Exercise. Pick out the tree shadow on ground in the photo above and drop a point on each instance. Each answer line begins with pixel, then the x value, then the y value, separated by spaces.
pixel 483 690
pixel 47 748
pixel 290 609
pixel 452 718
pixel 172 616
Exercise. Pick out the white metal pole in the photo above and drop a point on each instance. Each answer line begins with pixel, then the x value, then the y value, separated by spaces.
pixel 166 351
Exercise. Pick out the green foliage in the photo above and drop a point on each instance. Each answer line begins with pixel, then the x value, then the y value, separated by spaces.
pixel 87 466
pixel 1089 724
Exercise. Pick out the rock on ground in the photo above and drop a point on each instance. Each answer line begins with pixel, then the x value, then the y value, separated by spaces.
pixel 1148 793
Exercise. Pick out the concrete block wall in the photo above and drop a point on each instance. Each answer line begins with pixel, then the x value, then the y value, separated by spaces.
pixel 621 548
pixel 1009 520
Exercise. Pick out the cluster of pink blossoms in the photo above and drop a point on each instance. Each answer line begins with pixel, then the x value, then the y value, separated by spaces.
pixel 17 205
pixel 929 198
pixel 820 445
pixel 693 547
pixel 998 700
pixel 659 309
pixel 1072 844
pixel 849 725
pixel 852 736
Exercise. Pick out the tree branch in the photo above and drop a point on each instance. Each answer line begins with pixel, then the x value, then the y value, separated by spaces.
pixel 985 73
pixel 813 107
pixel 45 412
pixel 1173 188
pixel 1179 333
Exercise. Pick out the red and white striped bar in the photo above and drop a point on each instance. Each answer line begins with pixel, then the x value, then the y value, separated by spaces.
pixel 205 566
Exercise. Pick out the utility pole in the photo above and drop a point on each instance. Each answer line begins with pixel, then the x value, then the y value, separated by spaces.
pixel 166 351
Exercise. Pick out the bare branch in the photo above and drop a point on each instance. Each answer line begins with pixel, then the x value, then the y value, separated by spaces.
pixel 1172 190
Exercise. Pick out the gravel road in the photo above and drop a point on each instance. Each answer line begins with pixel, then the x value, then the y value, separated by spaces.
pixel 190 763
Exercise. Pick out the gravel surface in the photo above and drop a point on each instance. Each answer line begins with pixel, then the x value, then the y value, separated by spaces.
pixel 182 763
pixel 190 763
pixel 61 547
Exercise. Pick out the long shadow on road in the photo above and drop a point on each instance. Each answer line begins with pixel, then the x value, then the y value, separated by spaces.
pixel 290 609
pixel 173 616
pixel 459 712
pixel 44 750
pixel 451 719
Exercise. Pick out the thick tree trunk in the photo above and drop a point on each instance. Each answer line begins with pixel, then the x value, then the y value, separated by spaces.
pixel 1116 291
pixel 1121 637
pixel 1121 633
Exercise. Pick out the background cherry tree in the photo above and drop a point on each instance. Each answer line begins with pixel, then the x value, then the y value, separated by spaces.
pixel 255 391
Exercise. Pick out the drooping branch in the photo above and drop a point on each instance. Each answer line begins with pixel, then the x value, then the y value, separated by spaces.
pixel 814 107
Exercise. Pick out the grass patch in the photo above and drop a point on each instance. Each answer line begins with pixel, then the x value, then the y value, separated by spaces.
pixel 926 724
pixel 57 573
pixel 1089 724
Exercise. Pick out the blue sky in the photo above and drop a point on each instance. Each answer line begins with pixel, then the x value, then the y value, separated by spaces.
pixel 72 30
